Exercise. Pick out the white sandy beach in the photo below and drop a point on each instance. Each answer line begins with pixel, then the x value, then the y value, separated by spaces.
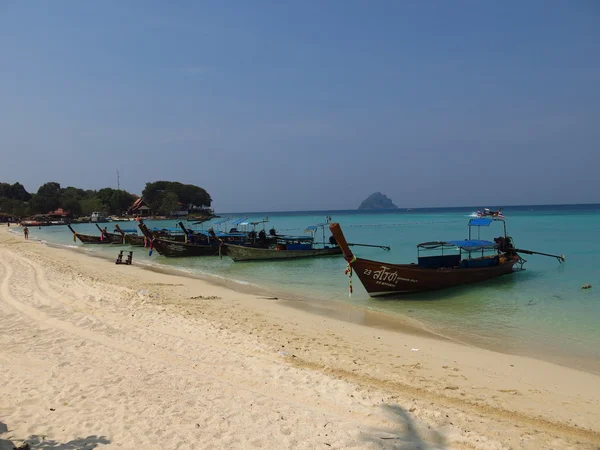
pixel 95 355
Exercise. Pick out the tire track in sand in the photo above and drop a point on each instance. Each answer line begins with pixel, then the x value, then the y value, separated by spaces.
pixel 165 356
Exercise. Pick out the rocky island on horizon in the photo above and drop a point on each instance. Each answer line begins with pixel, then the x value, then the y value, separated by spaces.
pixel 377 201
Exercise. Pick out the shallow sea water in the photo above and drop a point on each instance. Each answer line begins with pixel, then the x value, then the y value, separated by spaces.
pixel 541 311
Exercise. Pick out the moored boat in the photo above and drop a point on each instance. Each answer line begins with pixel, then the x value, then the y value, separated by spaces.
pixel 286 247
pixel 170 248
pixel 131 237
pixel 104 238
pixel 460 262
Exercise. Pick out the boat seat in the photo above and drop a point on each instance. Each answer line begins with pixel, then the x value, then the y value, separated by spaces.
pixel 486 261
pixel 439 261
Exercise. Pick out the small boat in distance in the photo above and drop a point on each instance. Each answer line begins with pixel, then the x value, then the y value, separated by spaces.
pixel 488 213
pixel 460 262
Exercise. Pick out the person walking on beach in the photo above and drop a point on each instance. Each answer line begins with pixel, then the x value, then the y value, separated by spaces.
pixel 26 232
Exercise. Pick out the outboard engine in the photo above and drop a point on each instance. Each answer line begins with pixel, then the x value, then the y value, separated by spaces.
pixel 505 244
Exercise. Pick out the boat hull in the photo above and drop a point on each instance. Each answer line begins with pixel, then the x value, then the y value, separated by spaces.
pixel 381 278
pixel 134 240
pixel 243 253
pixel 87 239
pixel 174 249
pixel 90 239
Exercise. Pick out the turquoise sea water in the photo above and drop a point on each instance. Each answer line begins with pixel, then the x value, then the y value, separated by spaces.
pixel 541 311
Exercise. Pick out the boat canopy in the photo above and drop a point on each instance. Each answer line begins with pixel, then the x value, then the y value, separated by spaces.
pixel 219 222
pixel 484 221
pixel 230 234
pixel 128 230
pixel 237 222
pixel 170 230
pixel 467 244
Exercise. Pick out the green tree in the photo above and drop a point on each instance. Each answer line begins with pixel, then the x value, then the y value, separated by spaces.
pixel 115 201
pixel 89 205
pixel 168 203
pixel 18 192
pixel 13 207
pixel 15 191
pixel 46 199
pixel 187 194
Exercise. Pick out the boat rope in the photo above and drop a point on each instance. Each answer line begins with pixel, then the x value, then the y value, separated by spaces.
pixel 348 272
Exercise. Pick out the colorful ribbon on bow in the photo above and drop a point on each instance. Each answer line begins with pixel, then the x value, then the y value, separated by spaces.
pixel 348 272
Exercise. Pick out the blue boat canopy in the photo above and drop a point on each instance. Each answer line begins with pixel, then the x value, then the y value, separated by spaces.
pixel 237 222
pixel 128 230
pixel 311 228
pixel 230 234
pixel 222 221
pixel 480 222
pixel 467 244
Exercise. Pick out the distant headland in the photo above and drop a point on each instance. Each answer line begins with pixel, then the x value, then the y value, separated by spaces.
pixel 377 201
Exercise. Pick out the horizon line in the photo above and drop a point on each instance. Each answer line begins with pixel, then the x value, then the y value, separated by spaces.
pixel 403 209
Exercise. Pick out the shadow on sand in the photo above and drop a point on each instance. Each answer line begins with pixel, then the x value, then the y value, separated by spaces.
pixel 40 443
pixel 406 434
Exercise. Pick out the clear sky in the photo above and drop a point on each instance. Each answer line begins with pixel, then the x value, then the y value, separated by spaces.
pixel 296 105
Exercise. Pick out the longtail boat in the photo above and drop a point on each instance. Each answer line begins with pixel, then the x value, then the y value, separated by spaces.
pixel 286 247
pixel 132 239
pixel 114 237
pixel 488 213
pixel 171 248
pixel 460 262
pixel 102 239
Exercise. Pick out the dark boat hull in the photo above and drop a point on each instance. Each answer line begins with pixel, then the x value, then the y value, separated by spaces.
pixel 135 241
pixel 172 249
pixel 381 278
pixel 180 249
pixel 243 253
pixel 89 239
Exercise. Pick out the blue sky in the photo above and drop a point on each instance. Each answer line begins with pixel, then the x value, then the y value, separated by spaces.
pixel 281 105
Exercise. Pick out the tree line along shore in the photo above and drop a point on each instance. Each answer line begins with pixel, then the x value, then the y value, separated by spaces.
pixel 160 198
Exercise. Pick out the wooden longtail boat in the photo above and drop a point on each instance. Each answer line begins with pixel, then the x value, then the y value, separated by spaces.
pixel 109 238
pixel 287 247
pixel 134 240
pixel 465 262
pixel 171 248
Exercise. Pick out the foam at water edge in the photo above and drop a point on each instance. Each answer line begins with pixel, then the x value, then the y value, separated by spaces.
pixel 197 272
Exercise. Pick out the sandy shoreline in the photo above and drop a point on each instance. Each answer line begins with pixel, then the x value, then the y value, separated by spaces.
pixel 131 358
pixel 352 313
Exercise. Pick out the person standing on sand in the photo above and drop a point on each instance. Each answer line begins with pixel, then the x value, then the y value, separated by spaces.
pixel 26 232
